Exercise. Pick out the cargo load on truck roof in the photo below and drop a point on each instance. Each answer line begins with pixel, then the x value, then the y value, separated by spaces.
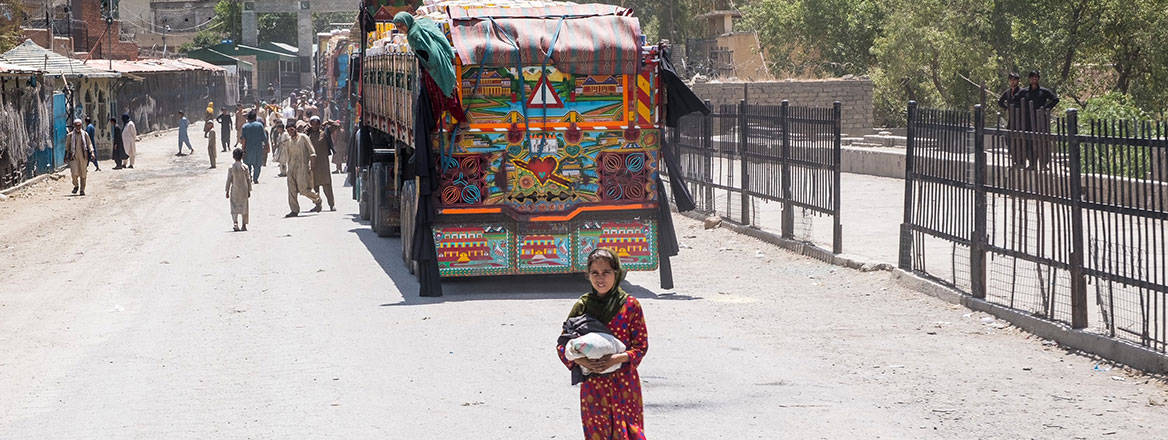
pixel 574 38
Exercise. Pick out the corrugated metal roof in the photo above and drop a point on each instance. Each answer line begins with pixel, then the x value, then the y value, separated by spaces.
pixel 203 64
pixel 12 68
pixel 290 49
pixel 29 55
pixel 154 65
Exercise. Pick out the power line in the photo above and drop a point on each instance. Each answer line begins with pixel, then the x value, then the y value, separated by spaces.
pixel 140 23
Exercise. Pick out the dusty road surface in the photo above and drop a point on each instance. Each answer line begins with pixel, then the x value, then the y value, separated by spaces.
pixel 135 312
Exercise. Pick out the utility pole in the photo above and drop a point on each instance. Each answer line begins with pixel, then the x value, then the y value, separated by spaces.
pixel 49 25
pixel 164 33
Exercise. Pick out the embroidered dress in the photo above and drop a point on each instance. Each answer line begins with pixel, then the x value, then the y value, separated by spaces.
pixel 610 404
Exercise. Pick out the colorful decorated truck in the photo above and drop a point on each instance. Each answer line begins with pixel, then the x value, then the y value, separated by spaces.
pixel 560 154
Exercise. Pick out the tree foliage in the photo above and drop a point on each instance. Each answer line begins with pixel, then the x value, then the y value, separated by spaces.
pixel 939 52
pixel 11 17
pixel 280 28
pixel 277 28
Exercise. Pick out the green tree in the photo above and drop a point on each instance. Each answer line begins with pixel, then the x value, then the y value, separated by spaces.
pixel 11 17
pixel 819 37
pixel 938 52
pixel 277 28
pixel 226 25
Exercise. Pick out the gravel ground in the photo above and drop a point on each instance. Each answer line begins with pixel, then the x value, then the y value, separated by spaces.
pixel 135 312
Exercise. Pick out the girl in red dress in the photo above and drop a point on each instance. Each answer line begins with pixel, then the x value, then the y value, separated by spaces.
pixel 610 404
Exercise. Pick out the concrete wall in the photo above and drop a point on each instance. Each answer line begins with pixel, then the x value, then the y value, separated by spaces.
pixel 855 96
pixel 60 45
pixel 748 63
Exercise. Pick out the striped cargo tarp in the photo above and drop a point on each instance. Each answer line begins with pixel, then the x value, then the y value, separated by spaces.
pixel 537 12
pixel 581 40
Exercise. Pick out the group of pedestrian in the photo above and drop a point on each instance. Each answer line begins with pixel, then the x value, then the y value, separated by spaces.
pixel 1028 110
pixel 80 149
pixel 300 145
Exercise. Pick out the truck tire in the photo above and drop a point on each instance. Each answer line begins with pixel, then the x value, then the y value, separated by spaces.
pixel 408 202
pixel 379 177
pixel 363 194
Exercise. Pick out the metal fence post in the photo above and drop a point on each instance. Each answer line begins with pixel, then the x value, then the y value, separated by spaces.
pixel 837 238
pixel 978 242
pixel 788 226
pixel 743 145
pixel 706 138
pixel 905 260
pixel 1078 278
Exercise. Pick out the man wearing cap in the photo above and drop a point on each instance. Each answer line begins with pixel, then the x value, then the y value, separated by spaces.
pixel 1037 102
pixel 255 145
pixel 1010 104
pixel 322 182
pixel 80 149
pixel 130 139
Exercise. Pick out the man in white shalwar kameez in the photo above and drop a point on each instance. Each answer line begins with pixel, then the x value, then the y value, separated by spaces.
pixel 130 138
pixel 298 155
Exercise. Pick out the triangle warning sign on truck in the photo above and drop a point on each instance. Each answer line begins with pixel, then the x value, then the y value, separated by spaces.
pixel 544 96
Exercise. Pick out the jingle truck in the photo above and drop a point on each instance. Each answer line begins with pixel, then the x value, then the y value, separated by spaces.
pixel 560 153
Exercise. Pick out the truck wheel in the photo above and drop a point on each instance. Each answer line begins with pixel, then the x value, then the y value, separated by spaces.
pixel 363 194
pixel 379 221
pixel 408 197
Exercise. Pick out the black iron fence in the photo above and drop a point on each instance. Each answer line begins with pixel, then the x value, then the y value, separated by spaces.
pixel 744 154
pixel 1038 216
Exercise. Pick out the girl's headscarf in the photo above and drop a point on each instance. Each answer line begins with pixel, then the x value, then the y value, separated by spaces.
pixel 606 307
pixel 429 42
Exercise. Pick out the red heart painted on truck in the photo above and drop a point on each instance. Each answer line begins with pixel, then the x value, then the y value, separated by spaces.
pixel 544 169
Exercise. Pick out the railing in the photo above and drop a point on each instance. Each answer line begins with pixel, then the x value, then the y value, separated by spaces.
pixel 785 154
pixel 1036 216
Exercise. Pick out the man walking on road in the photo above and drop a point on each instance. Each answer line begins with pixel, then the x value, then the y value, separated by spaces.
pixel 183 135
pixel 89 128
pixel 297 153
pixel 80 149
pixel 119 144
pixel 225 128
pixel 322 182
pixel 255 145
pixel 130 138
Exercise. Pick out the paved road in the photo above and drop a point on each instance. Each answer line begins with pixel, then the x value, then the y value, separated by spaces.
pixel 135 312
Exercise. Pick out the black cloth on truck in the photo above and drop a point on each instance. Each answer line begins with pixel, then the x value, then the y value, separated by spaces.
pixel 429 281
pixel 667 245
pixel 680 100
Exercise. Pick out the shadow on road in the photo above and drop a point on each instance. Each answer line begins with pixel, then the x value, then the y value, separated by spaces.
pixel 387 251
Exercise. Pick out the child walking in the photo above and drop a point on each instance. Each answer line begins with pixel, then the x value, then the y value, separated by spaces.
pixel 209 134
pixel 610 404
pixel 238 188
